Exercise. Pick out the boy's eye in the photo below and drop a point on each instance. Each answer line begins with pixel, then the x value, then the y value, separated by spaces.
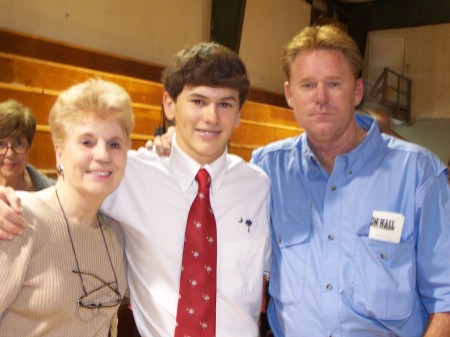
pixel 225 105
pixel 87 143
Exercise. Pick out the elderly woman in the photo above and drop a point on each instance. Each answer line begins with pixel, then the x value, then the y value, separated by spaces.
pixel 66 275
pixel 17 128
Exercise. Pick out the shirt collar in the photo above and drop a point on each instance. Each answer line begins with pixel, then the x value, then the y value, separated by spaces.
pixel 367 148
pixel 185 168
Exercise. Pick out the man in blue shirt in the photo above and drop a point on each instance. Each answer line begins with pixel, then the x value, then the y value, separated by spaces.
pixel 360 219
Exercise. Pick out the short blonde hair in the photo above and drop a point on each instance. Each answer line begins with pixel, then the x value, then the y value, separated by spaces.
pixel 93 98
pixel 323 37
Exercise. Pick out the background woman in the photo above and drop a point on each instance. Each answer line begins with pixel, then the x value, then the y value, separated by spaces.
pixel 17 128
pixel 66 275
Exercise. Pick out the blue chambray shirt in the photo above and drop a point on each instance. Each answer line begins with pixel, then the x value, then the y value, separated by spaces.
pixel 328 278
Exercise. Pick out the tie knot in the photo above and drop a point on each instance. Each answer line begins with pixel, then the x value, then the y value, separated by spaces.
pixel 203 179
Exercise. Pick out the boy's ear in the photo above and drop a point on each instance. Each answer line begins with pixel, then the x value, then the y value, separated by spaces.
pixel 169 106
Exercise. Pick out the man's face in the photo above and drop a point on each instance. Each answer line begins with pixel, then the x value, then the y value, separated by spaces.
pixel 323 93
pixel 205 118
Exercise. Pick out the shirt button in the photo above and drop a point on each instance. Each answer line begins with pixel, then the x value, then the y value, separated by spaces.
pixel 350 171
pixel 279 240
pixel 384 255
pixel 333 188
pixel 329 287
pixel 330 237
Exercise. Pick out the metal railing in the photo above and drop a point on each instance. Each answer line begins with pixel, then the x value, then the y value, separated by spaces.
pixel 393 91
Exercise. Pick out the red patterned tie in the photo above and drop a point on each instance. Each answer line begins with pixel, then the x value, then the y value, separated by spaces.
pixel 196 314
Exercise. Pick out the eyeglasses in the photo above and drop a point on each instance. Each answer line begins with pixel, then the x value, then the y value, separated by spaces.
pixel 90 299
pixel 19 146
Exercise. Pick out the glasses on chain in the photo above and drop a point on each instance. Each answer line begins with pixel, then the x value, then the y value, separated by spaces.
pixel 18 146
pixel 88 300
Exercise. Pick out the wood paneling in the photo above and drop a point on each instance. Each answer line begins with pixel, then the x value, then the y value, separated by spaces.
pixel 37 83
pixel 36 47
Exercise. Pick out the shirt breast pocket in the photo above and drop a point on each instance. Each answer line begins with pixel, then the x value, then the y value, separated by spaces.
pixel 383 279
pixel 242 268
pixel 291 238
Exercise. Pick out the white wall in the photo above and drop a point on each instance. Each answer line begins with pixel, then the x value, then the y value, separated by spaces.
pixel 426 63
pixel 149 30
pixel 268 26
pixel 432 134
pixel 154 30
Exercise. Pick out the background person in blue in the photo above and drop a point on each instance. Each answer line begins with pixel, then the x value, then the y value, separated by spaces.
pixel 360 220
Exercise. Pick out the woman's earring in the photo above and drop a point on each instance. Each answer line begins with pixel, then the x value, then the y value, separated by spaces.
pixel 60 170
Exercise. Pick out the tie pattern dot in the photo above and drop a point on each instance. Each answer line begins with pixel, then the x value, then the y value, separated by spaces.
pixel 196 312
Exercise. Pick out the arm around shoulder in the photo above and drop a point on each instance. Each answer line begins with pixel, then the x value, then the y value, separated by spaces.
pixel 438 325
pixel 11 220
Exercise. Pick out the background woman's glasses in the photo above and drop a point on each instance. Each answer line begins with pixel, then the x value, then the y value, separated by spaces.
pixel 18 146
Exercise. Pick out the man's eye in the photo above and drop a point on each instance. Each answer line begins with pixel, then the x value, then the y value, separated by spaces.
pixel 225 105
pixel 197 101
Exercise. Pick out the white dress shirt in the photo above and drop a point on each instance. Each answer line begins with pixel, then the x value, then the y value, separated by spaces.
pixel 153 202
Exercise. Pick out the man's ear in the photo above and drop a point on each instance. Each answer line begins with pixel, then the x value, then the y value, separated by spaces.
pixel 287 93
pixel 169 106
pixel 359 91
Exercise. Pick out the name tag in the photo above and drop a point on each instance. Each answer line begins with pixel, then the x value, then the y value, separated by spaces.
pixel 386 226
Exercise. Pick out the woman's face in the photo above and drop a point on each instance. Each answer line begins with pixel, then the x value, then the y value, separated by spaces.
pixel 94 156
pixel 14 161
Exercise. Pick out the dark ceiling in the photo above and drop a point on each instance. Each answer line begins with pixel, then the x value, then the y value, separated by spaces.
pixel 359 16
pixel 363 16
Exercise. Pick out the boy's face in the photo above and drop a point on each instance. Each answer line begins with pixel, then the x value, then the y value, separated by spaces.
pixel 205 118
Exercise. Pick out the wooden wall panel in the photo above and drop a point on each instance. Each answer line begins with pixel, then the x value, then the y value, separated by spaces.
pixel 42 153
pixel 19 43
pixel 147 117
pixel 37 83
pixel 50 75
pixel 39 102
pixel 268 113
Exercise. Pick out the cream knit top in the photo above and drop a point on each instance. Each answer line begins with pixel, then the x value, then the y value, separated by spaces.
pixel 39 291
